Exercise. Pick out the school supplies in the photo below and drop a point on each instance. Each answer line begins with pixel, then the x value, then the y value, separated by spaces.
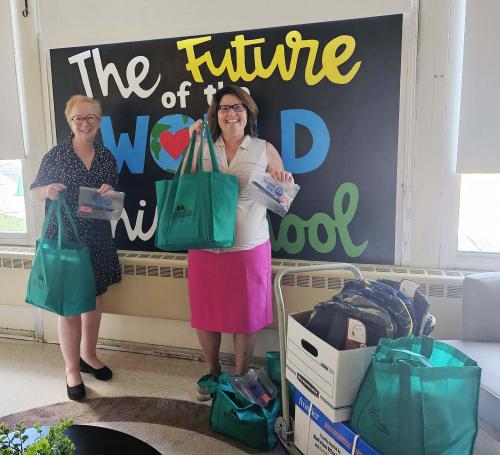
pixel 274 195
pixel 91 204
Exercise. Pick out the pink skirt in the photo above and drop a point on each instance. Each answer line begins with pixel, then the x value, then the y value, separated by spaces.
pixel 231 292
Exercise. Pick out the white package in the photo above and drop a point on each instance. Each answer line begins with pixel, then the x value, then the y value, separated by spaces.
pixel 272 194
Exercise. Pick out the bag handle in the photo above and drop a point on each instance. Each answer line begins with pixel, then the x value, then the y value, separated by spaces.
pixel 423 345
pixel 211 148
pixel 54 208
pixel 69 215
pixel 408 357
pixel 58 206
pixel 406 418
pixel 49 214
pixel 187 156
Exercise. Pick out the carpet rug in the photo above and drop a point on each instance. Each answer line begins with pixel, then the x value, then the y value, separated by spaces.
pixel 183 415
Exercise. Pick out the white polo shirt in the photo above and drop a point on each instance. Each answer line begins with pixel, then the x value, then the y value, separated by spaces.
pixel 252 228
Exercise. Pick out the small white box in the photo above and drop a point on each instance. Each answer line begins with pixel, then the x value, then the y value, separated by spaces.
pixel 328 377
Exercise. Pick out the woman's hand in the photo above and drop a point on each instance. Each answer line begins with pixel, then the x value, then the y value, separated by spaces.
pixel 105 189
pixel 195 127
pixel 275 165
pixel 53 190
pixel 281 175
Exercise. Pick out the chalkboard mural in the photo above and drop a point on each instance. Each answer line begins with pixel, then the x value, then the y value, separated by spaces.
pixel 328 98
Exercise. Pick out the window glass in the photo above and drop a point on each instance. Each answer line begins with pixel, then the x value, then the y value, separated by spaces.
pixel 479 223
pixel 12 210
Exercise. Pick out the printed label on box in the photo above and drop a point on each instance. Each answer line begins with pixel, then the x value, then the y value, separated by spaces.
pixel 319 435
pixel 331 437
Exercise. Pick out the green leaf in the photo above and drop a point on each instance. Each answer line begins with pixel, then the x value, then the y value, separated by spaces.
pixel 158 129
pixel 156 148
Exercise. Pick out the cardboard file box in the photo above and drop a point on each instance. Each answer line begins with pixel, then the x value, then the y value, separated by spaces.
pixel 315 434
pixel 328 378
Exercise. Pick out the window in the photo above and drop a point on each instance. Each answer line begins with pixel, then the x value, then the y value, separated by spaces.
pixel 479 220
pixel 12 208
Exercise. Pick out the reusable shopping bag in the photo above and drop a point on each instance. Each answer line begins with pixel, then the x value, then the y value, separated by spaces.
pixel 196 210
pixel 62 278
pixel 235 416
pixel 273 368
pixel 419 396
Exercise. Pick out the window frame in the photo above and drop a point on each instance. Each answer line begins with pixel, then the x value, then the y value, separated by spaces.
pixel 451 256
pixel 23 238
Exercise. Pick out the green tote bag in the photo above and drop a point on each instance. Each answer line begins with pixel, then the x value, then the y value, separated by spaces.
pixel 419 397
pixel 196 210
pixel 62 278
pixel 233 415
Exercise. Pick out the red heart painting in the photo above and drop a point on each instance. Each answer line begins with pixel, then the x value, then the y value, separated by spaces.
pixel 174 144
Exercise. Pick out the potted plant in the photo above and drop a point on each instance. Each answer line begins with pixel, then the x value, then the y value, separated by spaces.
pixel 40 442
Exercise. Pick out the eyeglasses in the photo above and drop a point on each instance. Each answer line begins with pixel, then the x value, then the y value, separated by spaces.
pixel 225 108
pixel 78 119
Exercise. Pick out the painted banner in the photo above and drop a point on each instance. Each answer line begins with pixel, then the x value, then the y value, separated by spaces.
pixel 328 98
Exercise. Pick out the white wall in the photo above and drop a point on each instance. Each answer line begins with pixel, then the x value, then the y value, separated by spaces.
pixel 65 23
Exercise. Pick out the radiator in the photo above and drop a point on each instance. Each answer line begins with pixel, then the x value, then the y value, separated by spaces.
pixel 155 286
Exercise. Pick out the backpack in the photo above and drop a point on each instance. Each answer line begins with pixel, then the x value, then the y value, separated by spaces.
pixel 381 308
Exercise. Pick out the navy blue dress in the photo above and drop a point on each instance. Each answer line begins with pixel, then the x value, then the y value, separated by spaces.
pixel 62 165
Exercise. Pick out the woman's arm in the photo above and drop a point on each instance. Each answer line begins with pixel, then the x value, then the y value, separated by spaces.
pixel 275 165
pixel 44 185
pixel 51 191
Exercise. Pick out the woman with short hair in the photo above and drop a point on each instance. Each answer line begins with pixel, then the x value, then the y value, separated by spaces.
pixel 79 161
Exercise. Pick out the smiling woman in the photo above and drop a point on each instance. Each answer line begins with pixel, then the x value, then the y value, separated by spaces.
pixel 80 162
pixel 230 289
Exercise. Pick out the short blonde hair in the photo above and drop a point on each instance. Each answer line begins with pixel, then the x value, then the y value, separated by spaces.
pixel 76 99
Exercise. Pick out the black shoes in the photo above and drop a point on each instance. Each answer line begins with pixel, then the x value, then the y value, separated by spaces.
pixel 102 374
pixel 77 392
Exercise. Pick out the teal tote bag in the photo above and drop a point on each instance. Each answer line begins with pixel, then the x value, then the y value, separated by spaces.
pixel 196 210
pixel 62 278
pixel 419 397
pixel 233 415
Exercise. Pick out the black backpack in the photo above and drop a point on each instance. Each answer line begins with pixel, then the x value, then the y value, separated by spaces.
pixel 380 306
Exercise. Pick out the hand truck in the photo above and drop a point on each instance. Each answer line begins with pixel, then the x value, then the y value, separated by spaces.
pixel 283 426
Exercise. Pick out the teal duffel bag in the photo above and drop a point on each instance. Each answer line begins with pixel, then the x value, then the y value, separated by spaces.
pixel 62 278
pixel 233 415
pixel 418 397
